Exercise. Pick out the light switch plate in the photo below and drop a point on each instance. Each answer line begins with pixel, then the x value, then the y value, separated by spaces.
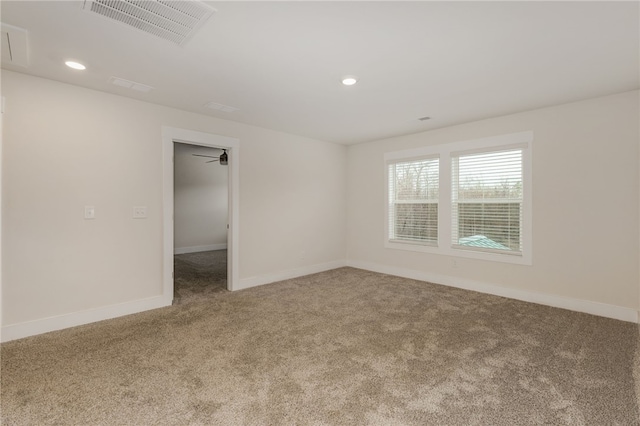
pixel 139 212
pixel 89 212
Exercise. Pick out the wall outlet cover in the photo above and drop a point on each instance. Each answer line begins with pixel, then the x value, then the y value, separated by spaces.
pixel 139 212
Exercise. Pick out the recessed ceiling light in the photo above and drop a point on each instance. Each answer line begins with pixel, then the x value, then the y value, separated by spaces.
pixel 349 80
pixel 75 65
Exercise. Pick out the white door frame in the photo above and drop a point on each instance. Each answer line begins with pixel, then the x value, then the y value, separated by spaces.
pixel 232 145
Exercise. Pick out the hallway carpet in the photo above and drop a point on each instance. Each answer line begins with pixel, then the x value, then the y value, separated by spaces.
pixel 198 275
pixel 342 347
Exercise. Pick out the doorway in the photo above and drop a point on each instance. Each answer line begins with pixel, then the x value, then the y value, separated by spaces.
pixel 198 140
pixel 200 218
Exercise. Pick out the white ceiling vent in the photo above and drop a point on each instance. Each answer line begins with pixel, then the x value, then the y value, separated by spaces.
pixel 172 20
pixel 14 46
pixel 220 107
pixel 121 82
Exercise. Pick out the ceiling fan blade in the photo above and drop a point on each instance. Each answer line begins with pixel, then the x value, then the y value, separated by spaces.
pixel 212 161
pixel 202 155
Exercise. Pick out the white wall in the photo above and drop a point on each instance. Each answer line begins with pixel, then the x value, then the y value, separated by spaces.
pixel 1 144
pixel 585 207
pixel 201 200
pixel 66 147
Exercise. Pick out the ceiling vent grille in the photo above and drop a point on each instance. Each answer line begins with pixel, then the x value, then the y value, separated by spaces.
pixel 220 107
pixel 171 20
pixel 138 87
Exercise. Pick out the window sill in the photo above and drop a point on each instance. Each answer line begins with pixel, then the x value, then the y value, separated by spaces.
pixel 518 259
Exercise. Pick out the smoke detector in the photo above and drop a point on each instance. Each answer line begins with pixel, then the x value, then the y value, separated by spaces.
pixel 172 20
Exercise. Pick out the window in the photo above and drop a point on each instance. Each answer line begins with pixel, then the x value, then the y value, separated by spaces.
pixel 413 200
pixel 487 201
pixel 466 199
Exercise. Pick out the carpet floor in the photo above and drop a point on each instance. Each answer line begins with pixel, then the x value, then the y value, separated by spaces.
pixel 198 275
pixel 342 347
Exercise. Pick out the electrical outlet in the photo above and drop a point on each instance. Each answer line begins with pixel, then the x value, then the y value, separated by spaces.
pixel 139 212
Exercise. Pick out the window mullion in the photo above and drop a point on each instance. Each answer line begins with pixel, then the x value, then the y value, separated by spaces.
pixel 444 207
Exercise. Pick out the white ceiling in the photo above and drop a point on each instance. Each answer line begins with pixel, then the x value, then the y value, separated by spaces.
pixel 281 63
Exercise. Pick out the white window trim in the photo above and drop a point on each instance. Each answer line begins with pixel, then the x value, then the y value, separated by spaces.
pixel 436 201
pixel 445 152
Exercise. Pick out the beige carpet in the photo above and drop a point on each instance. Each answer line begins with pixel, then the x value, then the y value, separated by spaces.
pixel 337 348
pixel 197 275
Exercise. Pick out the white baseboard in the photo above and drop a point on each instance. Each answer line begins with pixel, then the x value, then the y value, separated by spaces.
pixel 32 328
pixel 578 305
pixel 288 274
pixel 45 325
pixel 196 249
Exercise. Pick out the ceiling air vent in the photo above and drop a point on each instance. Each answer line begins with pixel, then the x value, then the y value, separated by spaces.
pixel 220 107
pixel 138 87
pixel 171 20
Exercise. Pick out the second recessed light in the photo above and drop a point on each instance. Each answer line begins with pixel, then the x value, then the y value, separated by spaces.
pixel 75 65
pixel 349 80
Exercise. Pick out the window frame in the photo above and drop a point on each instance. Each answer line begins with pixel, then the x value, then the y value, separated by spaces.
pixel 445 153
pixel 391 203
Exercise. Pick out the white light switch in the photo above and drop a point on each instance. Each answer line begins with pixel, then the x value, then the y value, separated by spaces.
pixel 140 212
pixel 89 212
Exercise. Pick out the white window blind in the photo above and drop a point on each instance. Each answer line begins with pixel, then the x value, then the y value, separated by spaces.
pixel 487 200
pixel 413 200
